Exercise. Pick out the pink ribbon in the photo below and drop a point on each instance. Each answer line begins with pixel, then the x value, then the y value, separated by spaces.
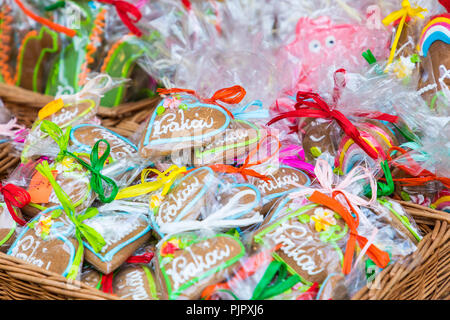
pixel 288 157
pixel 11 129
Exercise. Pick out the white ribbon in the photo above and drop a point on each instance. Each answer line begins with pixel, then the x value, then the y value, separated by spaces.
pixel 126 206
pixel 225 217
pixel 97 86
pixel 325 177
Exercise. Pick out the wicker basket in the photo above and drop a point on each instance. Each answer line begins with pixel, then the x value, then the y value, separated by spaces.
pixel 424 275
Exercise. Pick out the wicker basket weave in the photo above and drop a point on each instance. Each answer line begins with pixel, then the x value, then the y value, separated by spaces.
pixel 424 275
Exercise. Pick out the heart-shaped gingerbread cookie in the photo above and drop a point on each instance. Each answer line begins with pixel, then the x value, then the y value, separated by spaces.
pixel 308 238
pixel 187 265
pixel 123 233
pixel 186 198
pixel 49 244
pixel 188 124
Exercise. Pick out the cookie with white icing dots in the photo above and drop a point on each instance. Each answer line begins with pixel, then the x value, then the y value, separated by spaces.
pixel 123 233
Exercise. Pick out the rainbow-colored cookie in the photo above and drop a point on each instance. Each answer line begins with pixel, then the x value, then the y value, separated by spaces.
pixel 437 29
pixel 349 154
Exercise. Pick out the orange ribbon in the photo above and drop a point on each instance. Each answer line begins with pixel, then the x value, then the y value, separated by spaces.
pixel 381 258
pixel 414 167
pixel 231 95
pixel 244 169
pixel 54 26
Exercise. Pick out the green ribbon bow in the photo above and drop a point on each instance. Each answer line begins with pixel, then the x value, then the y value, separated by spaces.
pixel 56 133
pixel 94 238
pixel 96 177
pixel 267 288
pixel 383 189
pixel 62 139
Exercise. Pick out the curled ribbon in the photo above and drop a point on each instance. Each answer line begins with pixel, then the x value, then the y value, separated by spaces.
pixel 244 168
pixel 381 258
pixel 54 26
pixel 17 197
pixel 231 95
pixel 225 217
pixel 124 10
pixel 163 180
pixel 95 168
pixel 403 13
pixel 94 238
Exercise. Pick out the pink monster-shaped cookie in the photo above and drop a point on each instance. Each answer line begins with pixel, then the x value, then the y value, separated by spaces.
pixel 319 43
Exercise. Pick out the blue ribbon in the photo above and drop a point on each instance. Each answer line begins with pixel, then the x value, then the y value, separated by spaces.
pixel 259 113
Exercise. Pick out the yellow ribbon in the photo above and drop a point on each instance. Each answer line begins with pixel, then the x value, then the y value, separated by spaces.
pixel 163 180
pixel 51 108
pixel 403 13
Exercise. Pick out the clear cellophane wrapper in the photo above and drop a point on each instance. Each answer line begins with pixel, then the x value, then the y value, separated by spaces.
pixel 66 111
pixel 420 171
pixel 186 263
pixel 74 180
pixel 48 241
pixel 123 232
pixel 193 49
pixel 316 228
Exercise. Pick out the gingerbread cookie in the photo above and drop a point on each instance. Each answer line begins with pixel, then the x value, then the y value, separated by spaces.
pixel 284 180
pixel 47 242
pixel 434 46
pixel 186 199
pixel 308 239
pixel 35 50
pixel 181 122
pixel 400 220
pixel 236 142
pixel 318 137
pixel 123 233
pixel 136 282
pixel 91 277
pixel 8 227
pixel 333 288
pixel 186 264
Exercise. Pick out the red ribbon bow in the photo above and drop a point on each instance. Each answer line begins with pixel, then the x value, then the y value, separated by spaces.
pixel 231 95
pixel 17 197
pixel 124 10
pixel 318 108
